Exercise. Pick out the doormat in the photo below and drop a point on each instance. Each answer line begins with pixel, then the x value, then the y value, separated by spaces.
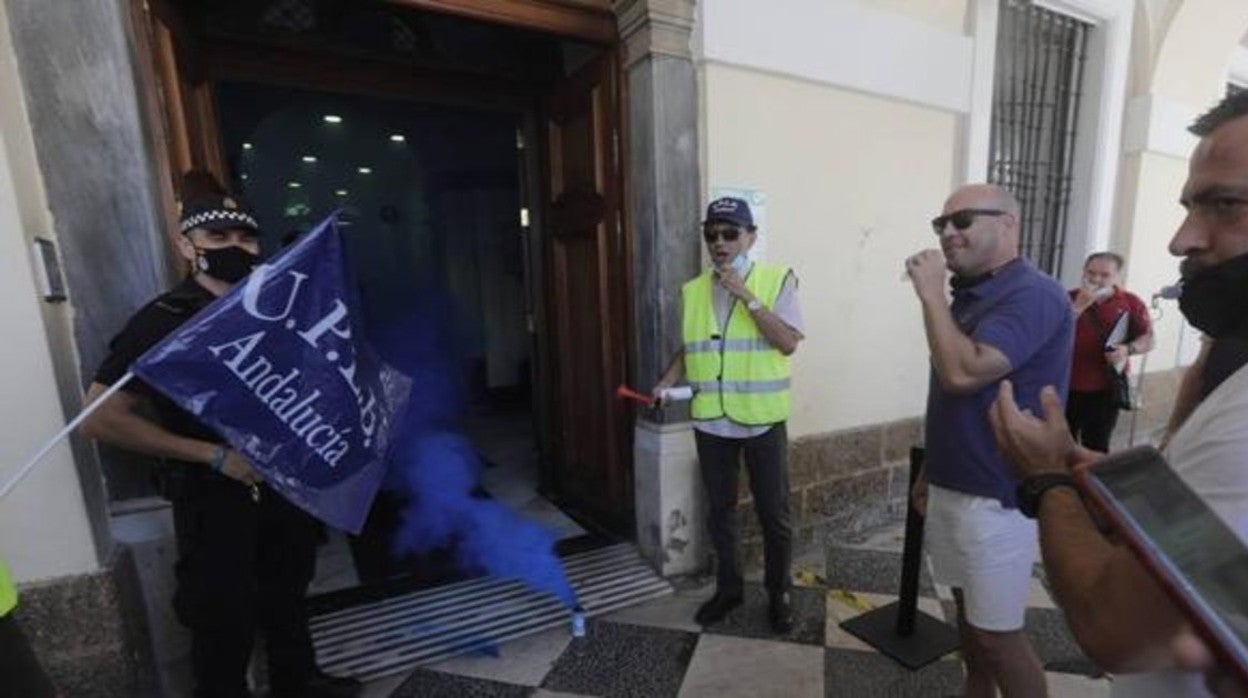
pixel 394 635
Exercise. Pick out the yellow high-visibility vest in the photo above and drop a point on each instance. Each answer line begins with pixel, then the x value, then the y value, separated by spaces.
pixel 739 374
pixel 8 591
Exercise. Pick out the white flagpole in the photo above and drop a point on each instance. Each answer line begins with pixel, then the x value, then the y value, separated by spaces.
pixel 34 460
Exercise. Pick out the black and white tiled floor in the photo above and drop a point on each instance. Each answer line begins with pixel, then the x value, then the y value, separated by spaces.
pixel 657 650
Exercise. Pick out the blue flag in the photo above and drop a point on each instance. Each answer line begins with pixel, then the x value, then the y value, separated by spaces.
pixel 279 366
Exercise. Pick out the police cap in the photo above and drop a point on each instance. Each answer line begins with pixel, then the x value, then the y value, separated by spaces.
pixel 216 212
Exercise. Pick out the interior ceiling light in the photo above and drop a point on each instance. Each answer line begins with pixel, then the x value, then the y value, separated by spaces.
pixel 365 170
pixel 341 192
pixel 293 185
pixel 333 119
pixel 246 146
pixel 398 138
pixel 309 158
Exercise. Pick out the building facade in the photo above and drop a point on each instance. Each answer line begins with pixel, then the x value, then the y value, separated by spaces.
pixel 846 123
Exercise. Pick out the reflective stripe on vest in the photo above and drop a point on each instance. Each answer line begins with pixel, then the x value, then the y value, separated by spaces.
pixel 739 374
pixel 773 386
pixel 717 345
pixel 8 591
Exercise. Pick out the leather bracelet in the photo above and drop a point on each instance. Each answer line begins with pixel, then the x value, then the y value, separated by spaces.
pixel 218 459
pixel 1032 489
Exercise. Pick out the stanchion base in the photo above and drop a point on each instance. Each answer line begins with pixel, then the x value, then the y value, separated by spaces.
pixel 930 641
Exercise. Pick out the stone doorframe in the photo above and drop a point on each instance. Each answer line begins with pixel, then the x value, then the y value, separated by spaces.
pixel 664 207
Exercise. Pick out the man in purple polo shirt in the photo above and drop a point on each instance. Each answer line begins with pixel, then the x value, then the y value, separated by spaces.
pixel 1007 320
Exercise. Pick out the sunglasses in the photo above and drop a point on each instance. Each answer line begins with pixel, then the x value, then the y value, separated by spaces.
pixel 962 218
pixel 725 233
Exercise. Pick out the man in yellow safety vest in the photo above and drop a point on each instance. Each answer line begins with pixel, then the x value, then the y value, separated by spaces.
pixel 741 321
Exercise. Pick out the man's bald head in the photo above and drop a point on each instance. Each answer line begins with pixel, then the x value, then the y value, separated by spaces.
pixel 991 238
pixel 991 195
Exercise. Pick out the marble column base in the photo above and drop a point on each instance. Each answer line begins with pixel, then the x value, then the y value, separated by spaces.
pixel 669 499
pixel 89 630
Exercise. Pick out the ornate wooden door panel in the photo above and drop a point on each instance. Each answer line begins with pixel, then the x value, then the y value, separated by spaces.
pixel 587 259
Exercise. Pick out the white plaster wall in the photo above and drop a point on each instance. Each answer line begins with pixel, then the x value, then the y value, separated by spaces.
pixel 1237 73
pixel 1152 205
pixel 851 181
pixel 1198 46
pixel 851 44
pixel 949 15
pixel 44 531
pixel 936 53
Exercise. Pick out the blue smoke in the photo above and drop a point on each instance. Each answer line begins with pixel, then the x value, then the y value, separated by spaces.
pixel 436 469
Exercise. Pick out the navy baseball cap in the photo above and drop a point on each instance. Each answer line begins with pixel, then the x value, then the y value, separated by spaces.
pixel 214 212
pixel 730 210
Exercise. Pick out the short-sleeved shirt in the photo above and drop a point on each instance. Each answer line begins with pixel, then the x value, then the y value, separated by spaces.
pixel 152 323
pixel 1088 371
pixel 786 308
pixel 1210 453
pixel 1025 315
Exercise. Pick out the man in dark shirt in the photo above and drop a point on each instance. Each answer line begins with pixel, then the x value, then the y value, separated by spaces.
pixel 1007 320
pixel 245 554
pixel 1091 407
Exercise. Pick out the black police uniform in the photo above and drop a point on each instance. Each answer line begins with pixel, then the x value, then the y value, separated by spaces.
pixel 244 563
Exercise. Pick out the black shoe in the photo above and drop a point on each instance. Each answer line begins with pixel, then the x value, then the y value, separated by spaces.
pixel 780 611
pixel 714 610
pixel 323 686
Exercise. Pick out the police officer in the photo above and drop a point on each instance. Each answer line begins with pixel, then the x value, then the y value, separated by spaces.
pixel 245 554
pixel 741 321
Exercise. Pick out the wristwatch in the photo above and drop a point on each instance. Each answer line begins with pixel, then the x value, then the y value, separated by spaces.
pixel 754 305
pixel 1031 489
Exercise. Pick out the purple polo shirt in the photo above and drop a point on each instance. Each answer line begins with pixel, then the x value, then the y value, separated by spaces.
pixel 1024 314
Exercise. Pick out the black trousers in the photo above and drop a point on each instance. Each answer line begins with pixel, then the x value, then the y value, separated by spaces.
pixel 243 566
pixel 20 671
pixel 1092 418
pixel 766 462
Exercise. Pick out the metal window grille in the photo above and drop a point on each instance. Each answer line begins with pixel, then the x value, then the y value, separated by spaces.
pixel 1035 108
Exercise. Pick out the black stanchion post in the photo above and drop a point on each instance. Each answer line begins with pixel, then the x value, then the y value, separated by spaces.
pixel 899 630
pixel 912 554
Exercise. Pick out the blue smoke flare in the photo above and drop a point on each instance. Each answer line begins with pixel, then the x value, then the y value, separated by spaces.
pixel 436 469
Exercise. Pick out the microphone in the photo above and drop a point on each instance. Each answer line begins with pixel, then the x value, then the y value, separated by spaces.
pixel 1169 293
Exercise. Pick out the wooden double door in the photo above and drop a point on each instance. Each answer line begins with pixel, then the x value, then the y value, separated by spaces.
pixel 581 292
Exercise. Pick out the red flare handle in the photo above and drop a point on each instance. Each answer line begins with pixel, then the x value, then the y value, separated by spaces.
pixel 626 393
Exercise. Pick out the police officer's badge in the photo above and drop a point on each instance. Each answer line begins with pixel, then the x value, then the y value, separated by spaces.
pixel 229 203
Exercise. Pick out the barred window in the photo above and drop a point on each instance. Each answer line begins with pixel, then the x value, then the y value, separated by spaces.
pixel 1035 108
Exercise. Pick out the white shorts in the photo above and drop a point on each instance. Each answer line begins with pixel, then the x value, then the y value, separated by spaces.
pixel 984 549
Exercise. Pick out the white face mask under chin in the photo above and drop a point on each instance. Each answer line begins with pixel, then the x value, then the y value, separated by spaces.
pixel 1093 287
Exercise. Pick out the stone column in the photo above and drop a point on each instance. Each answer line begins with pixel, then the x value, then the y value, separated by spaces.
pixel 664 208
pixel 77 157
pixel 78 69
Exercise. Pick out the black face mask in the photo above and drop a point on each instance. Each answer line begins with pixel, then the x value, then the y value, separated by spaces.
pixel 229 264
pixel 1215 300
